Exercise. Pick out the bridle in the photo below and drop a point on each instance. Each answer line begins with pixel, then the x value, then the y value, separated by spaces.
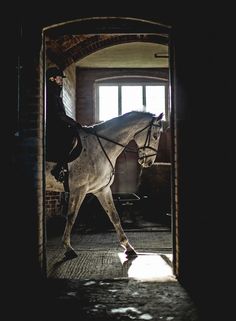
pixel 147 140
pixel 128 149
pixel 145 146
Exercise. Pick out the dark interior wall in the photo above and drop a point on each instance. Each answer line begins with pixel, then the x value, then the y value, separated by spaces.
pixel 198 97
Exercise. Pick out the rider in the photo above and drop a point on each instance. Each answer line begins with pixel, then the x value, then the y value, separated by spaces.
pixel 61 129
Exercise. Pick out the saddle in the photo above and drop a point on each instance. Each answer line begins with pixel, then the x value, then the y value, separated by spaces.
pixel 61 171
pixel 76 149
pixel 53 155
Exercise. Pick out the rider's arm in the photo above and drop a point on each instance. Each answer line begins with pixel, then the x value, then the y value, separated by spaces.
pixel 68 120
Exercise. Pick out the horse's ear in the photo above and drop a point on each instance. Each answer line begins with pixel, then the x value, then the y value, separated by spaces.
pixel 159 117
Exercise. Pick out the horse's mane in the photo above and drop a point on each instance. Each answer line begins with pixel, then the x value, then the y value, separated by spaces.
pixel 107 123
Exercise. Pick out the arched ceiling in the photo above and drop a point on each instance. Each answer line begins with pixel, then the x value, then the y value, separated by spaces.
pixel 109 51
pixel 128 55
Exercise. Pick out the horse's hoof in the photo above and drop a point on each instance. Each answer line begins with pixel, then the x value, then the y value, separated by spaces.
pixel 70 255
pixel 131 253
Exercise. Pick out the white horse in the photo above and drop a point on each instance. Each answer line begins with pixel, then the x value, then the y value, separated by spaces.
pixel 93 171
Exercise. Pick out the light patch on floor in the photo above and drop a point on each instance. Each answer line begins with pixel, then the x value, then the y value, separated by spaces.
pixel 148 267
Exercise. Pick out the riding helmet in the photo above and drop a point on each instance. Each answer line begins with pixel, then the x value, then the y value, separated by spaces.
pixel 53 72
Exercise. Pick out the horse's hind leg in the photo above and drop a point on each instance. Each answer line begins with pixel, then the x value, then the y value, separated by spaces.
pixel 106 200
pixel 73 208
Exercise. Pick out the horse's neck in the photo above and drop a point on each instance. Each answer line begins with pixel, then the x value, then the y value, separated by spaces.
pixel 122 130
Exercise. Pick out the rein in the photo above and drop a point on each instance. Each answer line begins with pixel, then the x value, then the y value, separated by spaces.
pixel 114 142
pixel 125 146
pixel 146 145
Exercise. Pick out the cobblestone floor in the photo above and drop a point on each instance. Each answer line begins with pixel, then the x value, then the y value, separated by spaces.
pixel 101 285
pixel 118 299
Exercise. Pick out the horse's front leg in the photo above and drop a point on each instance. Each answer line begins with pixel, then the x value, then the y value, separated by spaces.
pixel 75 202
pixel 106 200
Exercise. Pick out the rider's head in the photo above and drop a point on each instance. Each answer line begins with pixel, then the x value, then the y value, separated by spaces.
pixel 56 75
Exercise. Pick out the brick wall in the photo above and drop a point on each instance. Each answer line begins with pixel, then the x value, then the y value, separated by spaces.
pixel 52 203
pixel 28 161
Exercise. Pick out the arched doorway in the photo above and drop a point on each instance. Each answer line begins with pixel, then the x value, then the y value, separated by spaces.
pixel 69 46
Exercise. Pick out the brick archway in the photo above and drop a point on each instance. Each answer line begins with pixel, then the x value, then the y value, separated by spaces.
pixel 71 41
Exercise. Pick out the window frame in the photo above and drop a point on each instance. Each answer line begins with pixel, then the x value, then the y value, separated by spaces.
pixel 126 82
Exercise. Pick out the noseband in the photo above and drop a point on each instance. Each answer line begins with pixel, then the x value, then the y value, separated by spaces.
pixel 147 140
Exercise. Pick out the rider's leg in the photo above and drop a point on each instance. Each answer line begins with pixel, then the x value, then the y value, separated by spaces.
pixel 60 169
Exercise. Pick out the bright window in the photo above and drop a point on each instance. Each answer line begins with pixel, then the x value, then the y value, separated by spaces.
pixel 131 98
pixel 108 102
pixel 115 100
pixel 155 99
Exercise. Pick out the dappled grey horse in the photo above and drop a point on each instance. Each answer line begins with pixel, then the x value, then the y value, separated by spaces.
pixel 93 171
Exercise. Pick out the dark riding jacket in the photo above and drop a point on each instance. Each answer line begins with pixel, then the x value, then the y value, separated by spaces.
pixel 56 114
pixel 60 128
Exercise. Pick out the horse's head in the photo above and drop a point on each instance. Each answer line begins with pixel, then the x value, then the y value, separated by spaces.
pixel 147 140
